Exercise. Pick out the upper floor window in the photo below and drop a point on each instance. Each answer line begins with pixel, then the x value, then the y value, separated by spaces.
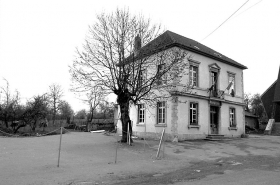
pixel 193 113
pixel 232 121
pixel 214 87
pixel 231 84
pixel 161 77
pixel 161 112
pixel 193 76
pixel 214 70
pixel 141 113
pixel 193 72
pixel 141 78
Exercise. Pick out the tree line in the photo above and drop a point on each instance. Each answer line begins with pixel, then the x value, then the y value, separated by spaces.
pixel 39 109
pixel 45 108
pixel 254 105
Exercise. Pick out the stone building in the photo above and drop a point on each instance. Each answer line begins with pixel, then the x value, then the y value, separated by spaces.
pixel 214 105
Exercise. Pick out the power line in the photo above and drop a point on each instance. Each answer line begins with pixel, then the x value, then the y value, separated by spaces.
pixel 248 8
pixel 225 20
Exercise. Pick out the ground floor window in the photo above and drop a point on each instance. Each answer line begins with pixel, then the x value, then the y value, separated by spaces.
pixel 232 121
pixel 141 113
pixel 193 113
pixel 161 112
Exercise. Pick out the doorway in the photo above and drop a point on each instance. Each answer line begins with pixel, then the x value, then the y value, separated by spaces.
pixel 214 120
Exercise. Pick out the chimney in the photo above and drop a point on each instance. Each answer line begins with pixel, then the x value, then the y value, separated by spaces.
pixel 137 45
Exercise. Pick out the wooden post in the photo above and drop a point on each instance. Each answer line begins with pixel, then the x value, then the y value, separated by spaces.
pixel 163 147
pixel 128 134
pixel 59 146
pixel 145 138
pixel 116 156
pixel 160 143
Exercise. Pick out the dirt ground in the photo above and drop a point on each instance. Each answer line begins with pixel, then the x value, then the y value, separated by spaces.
pixel 89 158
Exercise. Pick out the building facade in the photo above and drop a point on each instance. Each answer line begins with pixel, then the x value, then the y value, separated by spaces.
pixel 213 106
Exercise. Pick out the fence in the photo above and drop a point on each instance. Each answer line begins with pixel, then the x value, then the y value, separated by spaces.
pixel 102 124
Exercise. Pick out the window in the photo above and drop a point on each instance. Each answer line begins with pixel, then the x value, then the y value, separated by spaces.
pixel 161 112
pixel 232 122
pixel 193 76
pixel 141 113
pixel 161 78
pixel 141 78
pixel 214 70
pixel 214 86
pixel 193 113
pixel 231 84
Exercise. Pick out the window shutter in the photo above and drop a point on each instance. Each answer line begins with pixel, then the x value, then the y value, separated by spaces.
pixel 229 117
pixel 138 114
pixel 165 112
pixel 197 112
pixel 157 113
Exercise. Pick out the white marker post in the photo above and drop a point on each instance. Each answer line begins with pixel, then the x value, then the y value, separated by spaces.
pixel 160 143
pixel 59 146
pixel 116 157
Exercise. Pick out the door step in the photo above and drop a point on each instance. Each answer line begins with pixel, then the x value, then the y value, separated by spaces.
pixel 215 137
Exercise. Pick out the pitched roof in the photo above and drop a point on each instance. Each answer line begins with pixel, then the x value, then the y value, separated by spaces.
pixel 277 89
pixel 170 39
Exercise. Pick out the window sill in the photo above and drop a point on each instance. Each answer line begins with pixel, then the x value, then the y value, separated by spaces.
pixel 194 126
pixel 160 125
pixel 140 124
pixel 232 128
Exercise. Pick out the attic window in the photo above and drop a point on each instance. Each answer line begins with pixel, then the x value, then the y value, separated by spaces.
pixel 196 47
pixel 217 54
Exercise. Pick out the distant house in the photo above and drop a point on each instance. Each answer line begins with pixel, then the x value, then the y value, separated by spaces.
pixel 272 96
pixel 251 120
pixel 214 106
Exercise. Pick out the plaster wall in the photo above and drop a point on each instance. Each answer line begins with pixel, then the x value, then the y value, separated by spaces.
pixel 179 126
pixel 177 115
pixel 223 80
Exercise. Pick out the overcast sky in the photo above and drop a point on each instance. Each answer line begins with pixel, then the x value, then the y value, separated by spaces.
pixel 38 37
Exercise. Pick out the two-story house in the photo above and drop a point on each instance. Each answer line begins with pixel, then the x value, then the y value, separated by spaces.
pixel 214 105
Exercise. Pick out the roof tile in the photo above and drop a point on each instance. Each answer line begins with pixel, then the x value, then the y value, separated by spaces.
pixel 169 39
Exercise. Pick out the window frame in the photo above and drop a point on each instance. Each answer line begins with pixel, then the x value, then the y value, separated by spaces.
pixel 233 86
pixel 161 80
pixel 191 115
pixel 164 112
pixel 139 111
pixel 195 64
pixel 232 124
pixel 191 72
pixel 214 68
pixel 142 77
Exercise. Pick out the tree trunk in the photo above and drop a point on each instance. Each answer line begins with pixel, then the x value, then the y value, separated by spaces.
pixel 18 127
pixel 6 120
pixel 34 126
pixel 53 119
pixel 124 107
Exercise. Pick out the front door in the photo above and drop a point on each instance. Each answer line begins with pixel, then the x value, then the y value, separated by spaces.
pixel 214 119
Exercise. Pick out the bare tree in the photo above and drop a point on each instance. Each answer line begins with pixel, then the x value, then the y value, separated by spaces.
pixel 65 110
pixel 36 110
pixel 10 105
pixel 6 102
pixel 116 55
pixel 247 101
pixel 94 97
pixel 107 109
pixel 55 96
